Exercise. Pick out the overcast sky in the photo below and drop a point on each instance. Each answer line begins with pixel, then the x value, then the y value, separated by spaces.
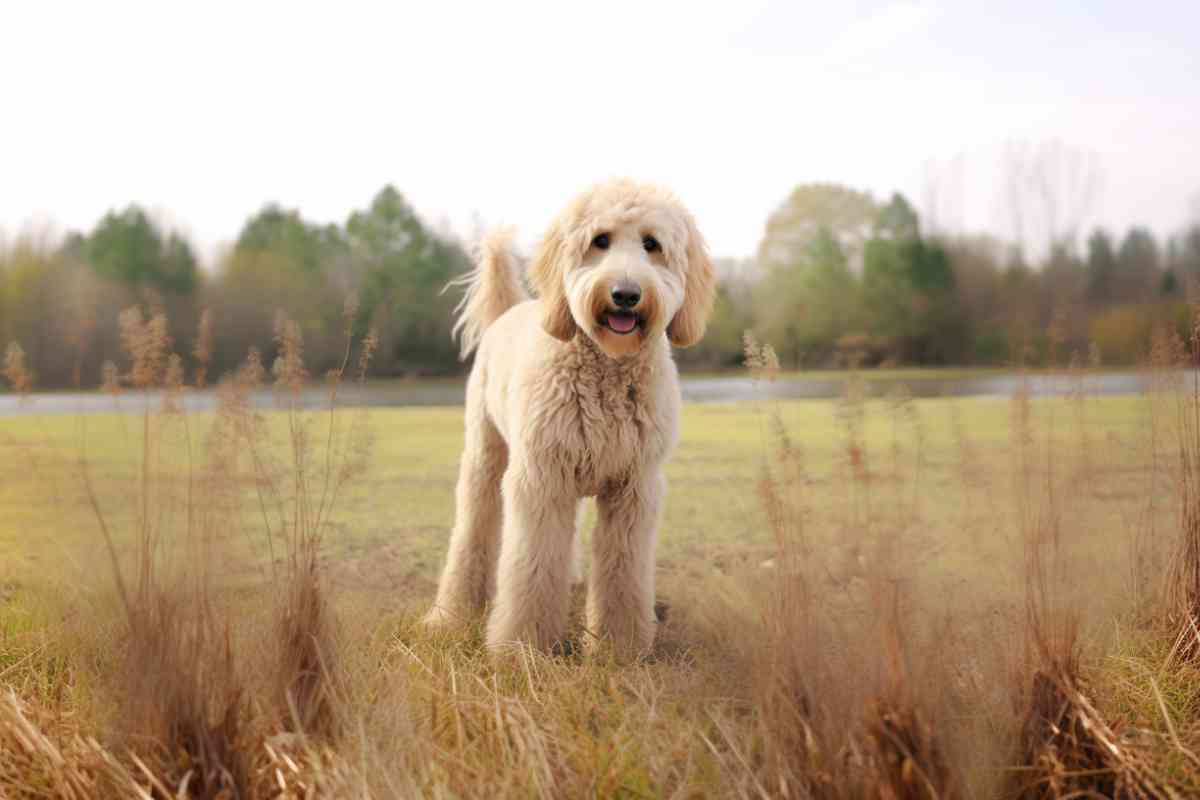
pixel 206 111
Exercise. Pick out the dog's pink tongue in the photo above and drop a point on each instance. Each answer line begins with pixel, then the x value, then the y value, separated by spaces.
pixel 622 323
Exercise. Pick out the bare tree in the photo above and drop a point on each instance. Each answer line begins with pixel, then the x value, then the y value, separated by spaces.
pixel 1049 190
pixel 943 196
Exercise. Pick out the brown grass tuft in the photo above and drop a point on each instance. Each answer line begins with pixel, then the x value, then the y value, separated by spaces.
pixel 760 358
pixel 1183 580
pixel 307 670
pixel 296 502
pixel 15 371
pixel 906 754
pixel 180 688
pixel 42 758
pixel 288 368
pixel 147 344
pixel 842 709
pixel 1069 749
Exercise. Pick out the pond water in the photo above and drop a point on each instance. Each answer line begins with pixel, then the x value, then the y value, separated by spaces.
pixel 697 389
pixel 918 384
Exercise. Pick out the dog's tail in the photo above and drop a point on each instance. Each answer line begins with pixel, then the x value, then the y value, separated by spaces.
pixel 492 287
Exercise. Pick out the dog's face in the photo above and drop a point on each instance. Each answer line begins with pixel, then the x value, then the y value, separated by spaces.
pixel 624 264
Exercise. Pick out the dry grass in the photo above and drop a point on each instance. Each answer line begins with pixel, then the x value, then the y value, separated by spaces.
pixel 44 757
pixel 823 735
pixel 842 671
pixel 1098 736
pixel 187 712
pixel 1184 580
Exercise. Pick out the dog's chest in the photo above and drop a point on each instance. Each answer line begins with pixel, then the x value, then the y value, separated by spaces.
pixel 600 426
pixel 613 427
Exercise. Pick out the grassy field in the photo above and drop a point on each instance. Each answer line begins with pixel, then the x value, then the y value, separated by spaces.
pixel 940 474
pixel 894 551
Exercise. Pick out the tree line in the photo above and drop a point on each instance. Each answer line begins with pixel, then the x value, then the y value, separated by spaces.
pixel 60 299
pixel 839 279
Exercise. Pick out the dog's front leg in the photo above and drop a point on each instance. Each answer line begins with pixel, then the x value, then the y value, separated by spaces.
pixel 621 581
pixel 533 580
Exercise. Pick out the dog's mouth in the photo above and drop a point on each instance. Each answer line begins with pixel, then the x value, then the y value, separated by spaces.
pixel 621 323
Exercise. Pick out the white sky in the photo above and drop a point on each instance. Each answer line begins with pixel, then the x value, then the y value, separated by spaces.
pixel 206 111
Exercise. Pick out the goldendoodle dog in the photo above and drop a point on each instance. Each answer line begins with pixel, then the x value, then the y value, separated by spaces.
pixel 573 394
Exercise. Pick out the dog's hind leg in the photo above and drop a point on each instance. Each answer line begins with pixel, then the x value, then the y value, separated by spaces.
pixel 468 579
pixel 620 604
pixel 533 579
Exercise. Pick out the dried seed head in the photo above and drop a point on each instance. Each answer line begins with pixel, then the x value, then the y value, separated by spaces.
pixel 370 344
pixel 146 342
pixel 251 374
pixel 289 364
pixel 15 371
pixel 750 349
pixel 760 358
pixel 173 384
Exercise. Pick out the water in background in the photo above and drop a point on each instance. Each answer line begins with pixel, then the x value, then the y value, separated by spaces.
pixel 719 389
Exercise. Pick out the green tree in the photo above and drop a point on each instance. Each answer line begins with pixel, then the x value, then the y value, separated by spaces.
pixel 1169 286
pixel 1101 269
pixel 1138 265
pixel 897 220
pixel 1185 259
pixel 127 258
pixel 281 261
pixel 128 248
pixel 308 248
pixel 809 296
pixel 251 285
pixel 981 297
pixel 1061 301
pixel 62 314
pixel 732 315
pixel 807 305
pixel 817 210
pixel 403 268
pixel 908 289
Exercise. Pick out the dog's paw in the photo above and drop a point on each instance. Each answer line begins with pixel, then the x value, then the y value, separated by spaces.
pixel 661 609
pixel 442 619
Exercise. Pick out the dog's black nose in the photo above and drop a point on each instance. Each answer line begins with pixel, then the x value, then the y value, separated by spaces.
pixel 626 295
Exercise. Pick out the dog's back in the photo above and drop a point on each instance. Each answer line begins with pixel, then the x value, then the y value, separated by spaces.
pixel 492 288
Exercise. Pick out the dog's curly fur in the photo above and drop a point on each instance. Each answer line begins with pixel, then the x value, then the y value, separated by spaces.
pixel 570 397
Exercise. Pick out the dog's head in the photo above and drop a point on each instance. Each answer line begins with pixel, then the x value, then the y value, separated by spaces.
pixel 624 263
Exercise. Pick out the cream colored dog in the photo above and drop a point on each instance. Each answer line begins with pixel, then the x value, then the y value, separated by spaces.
pixel 573 395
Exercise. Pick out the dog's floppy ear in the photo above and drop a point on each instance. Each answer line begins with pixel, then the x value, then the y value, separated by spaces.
pixel 547 271
pixel 698 292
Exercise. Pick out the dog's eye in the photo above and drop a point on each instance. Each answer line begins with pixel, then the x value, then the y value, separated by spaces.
pixel 651 244
pixel 601 241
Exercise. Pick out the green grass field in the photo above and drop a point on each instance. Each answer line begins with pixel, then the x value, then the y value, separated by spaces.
pixel 937 499
pixel 941 474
